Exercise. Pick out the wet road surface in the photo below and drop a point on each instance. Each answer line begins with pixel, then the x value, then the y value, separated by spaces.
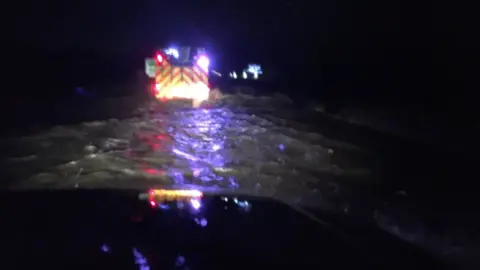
pixel 252 144
pixel 172 144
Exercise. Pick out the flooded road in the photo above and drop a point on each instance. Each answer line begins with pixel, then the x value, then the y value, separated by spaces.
pixel 241 143
pixel 167 145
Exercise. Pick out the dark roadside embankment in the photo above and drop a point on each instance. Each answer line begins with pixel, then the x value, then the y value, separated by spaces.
pixel 440 161
pixel 440 165
pixel 26 114
pixel 56 88
pixel 425 185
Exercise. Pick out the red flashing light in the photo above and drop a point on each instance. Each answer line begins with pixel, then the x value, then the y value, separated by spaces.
pixel 159 58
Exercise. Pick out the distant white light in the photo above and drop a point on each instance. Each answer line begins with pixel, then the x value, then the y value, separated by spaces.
pixel 254 68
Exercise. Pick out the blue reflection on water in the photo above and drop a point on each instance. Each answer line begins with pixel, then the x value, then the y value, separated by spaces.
pixel 140 260
pixel 200 145
pixel 179 261
pixel 202 222
pixel 105 248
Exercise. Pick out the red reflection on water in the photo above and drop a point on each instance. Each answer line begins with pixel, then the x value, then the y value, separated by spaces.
pixel 155 142
pixel 163 137
pixel 153 171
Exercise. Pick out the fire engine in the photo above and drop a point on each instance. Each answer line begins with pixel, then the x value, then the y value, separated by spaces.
pixel 180 73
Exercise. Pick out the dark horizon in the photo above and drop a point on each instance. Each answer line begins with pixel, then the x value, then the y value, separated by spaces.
pixel 400 51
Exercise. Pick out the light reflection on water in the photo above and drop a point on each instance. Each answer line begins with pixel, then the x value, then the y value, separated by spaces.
pixel 202 147
pixel 201 144
pixel 197 147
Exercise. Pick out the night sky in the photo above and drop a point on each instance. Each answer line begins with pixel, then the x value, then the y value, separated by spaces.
pixel 400 46
pixel 258 29
pixel 129 25
pixel 242 25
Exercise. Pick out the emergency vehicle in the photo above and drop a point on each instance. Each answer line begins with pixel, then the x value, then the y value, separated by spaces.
pixel 180 73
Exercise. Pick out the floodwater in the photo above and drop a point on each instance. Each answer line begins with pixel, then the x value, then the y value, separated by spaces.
pixel 240 143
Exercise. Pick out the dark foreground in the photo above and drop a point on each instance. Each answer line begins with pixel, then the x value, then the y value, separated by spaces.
pixel 265 145
pixel 128 229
